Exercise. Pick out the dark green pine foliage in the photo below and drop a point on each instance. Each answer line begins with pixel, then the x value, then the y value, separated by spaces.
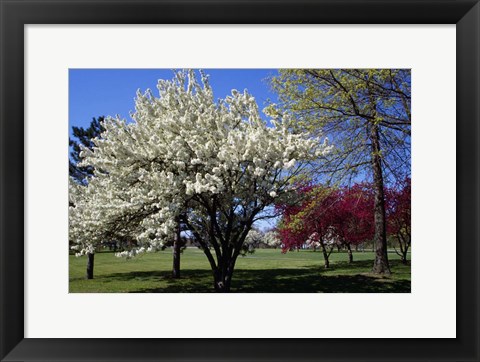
pixel 83 136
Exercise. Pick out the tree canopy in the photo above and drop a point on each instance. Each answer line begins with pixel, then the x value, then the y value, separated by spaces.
pixel 344 104
pixel 328 217
pixel 398 201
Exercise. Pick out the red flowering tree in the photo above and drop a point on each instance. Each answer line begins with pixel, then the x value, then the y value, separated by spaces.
pixel 328 217
pixel 310 222
pixel 354 221
pixel 398 202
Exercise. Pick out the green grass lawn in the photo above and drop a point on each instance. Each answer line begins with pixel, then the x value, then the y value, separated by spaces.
pixel 267 271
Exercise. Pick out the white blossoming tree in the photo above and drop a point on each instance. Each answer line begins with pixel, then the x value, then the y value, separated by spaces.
pixel 256 239
pixel 213 166
pixel 272 240
pixel 253 240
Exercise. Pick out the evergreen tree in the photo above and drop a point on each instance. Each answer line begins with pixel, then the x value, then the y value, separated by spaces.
pixel 83 136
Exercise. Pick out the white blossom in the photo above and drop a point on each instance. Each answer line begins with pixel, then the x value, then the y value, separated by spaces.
pixel 182 148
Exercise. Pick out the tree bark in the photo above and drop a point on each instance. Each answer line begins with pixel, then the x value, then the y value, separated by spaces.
pixel 350 254
pixel 380 265
pixel 176 252
pixel 90 264
pixel 404 246
pixel 404 255
pixel 325 257
pixel 222 277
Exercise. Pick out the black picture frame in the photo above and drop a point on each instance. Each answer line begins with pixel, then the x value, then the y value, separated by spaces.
pixel 16 13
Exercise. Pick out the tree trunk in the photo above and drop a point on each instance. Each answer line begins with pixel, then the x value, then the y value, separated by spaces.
pixel 325 257
pixel 176 252
pixel 90 263
pixel 222 278
pixel 380 265
pixel 350 254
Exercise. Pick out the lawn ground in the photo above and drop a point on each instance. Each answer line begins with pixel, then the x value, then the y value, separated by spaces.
pixel 267 271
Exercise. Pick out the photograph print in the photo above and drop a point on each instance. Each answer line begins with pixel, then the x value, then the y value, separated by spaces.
pixel 239 181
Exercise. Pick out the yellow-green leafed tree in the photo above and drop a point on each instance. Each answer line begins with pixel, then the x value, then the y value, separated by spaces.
pixel 366 114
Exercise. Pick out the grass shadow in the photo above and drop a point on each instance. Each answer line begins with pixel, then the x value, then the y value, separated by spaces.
pixel 315 280
pixel 341 278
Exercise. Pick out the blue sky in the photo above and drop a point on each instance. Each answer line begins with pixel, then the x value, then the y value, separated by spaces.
pixel 108 92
